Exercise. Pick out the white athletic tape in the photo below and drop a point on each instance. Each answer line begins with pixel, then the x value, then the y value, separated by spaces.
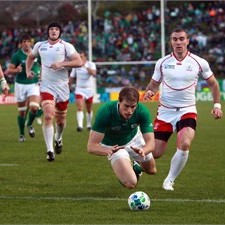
pixel 24 108
pixel 34 104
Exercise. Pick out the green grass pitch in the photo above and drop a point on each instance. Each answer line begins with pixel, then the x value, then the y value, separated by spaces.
pixel 79 188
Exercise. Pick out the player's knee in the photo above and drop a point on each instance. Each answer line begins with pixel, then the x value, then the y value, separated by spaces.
pixel 60 117
pixel 61 123
pixel 157 154
pixel 48 118
pixel 159 151
pixel 151 170
pixel 130 184
pixel 34 106
pixel 22 111
pixel 185 145
pixel 48 109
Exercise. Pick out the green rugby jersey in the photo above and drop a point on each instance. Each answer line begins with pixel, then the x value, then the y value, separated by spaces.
pixel 118 130
pixel 20 58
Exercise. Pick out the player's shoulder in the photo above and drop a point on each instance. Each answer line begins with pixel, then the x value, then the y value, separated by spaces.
pixel 107 109
pixel 17 56
pixel 66 43
pixel 164 58
pixel 17 53
pixel 40 43
pixel 197 58
pixel 90 63
pixel 61 41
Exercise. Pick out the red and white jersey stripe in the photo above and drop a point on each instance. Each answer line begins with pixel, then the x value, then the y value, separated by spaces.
pixel 179 78
pixel 50 54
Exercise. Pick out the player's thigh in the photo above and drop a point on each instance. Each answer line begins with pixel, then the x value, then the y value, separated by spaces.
pixel 89 103
pixel 34 102
pixel 160 147
pixel 20 92
pixel 162 131
pixel 186 130
pixel 185 138
pixel 124 172
pixel 121 164
pixel 79 102
pixel 32 90
pixel 61 112
pixel 48 106
pixel 149 166
pixel 34 98
pixel 122 168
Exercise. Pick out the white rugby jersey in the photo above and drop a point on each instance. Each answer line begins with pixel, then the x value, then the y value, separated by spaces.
pixel 83 78
pixel 50 54
pixel 179 78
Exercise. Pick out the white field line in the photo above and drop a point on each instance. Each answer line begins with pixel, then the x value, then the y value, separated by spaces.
pixel 7 164
pixel 220 201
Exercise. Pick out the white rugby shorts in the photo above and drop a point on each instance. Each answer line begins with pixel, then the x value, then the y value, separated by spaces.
pixel 85 92
pixel 128 153
pixel 172 116
pixel 23 91
pixel 60 91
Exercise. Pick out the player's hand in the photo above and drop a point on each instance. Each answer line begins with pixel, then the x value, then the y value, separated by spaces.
pixel 217 113
pixel 19 68
pixel 30 75
pixel 56 66
pixel 4 86
pixel 148 95
pixel 114 149
pixel 139 151
pixel 6 89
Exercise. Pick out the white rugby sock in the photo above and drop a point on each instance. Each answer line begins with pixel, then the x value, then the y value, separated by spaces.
pixel 48 133
pixel 59 131
pixel 178 162
pixel 80 118
pixel 89 118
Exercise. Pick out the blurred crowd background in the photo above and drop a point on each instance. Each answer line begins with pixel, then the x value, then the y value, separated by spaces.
pixel 121 31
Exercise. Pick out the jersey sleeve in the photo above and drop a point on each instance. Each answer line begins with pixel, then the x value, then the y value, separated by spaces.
pixel 146 125
pixel 157 75
pixel 15 60
pixel 35 49
pixel 91 65
pixel 73 73
pixel 206 72
pixel 70 50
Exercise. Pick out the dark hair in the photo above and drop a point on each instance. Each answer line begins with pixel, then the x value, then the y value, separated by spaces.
pixel 55 24
pixel 26 37
pixel 83 52
pixel 129 93
pixel 178 30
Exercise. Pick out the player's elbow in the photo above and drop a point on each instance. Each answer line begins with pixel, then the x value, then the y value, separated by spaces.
pixel 94 73
pixel 90 148
pixel 30 57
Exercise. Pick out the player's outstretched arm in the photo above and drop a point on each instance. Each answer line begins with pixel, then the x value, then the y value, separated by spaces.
pixel 151 90
pixel 4 84
pixel 216 112
pixel 94 145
